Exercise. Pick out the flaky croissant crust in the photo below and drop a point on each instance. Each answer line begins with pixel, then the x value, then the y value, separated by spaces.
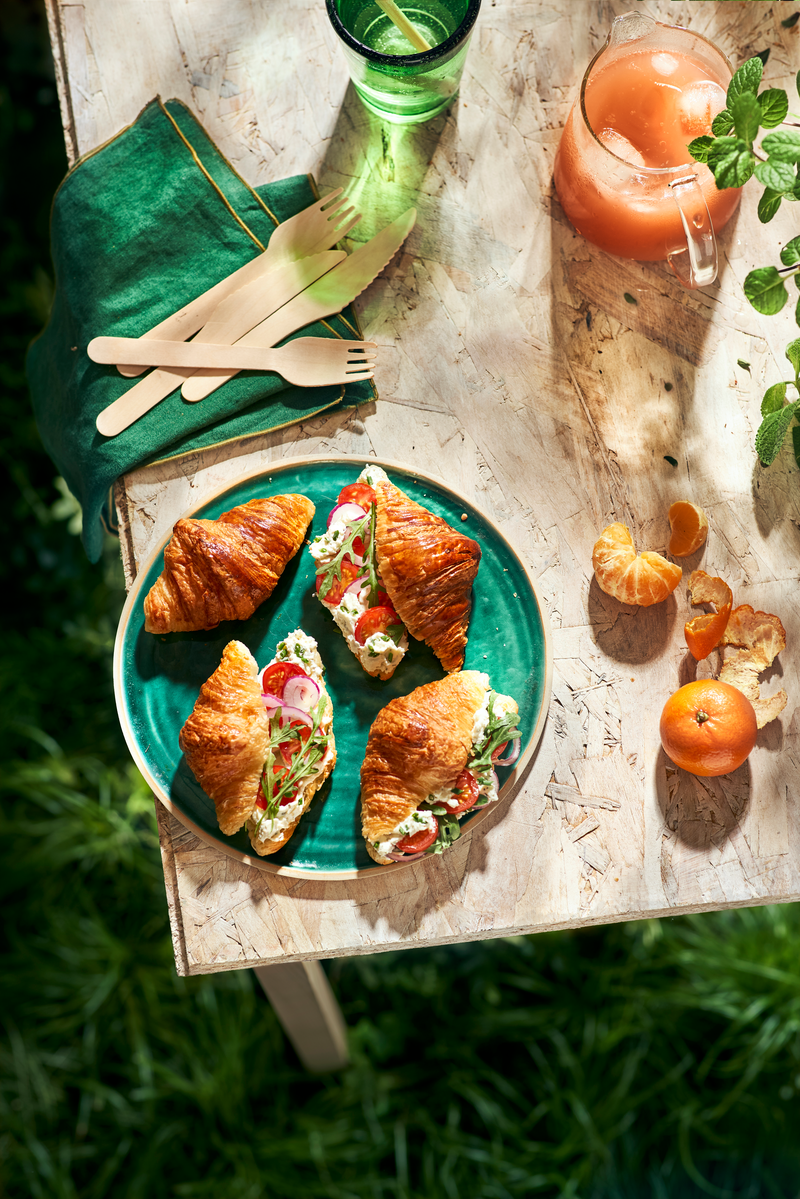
pixel 428 569
pixel 417 744
pixel 222 569
pixel 226 737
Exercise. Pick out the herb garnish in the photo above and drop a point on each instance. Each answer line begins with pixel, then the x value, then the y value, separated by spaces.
pixel 333 569
pixel 304 761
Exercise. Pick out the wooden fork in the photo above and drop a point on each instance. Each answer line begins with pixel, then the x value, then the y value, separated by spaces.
pixel 316 228
pixel 306 362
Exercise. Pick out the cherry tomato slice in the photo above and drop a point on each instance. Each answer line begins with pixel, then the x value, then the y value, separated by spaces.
pixel 417 842
pixel 357 493
pixel 261 801
pixel 375 620
pixel 467 787
pixel 300 733
pixel 498 753
pixel 276 676
pixel 333 595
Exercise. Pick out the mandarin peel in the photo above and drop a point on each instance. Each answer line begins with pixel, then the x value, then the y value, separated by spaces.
pixel 758 638
pixel 688 528
pixel 704 633
pixel 641 579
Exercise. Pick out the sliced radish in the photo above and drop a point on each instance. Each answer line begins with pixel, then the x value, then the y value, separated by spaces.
pixel 405 857
pixel 301 693
pixel 512 756
pixel 288 714
pixel 346 513
pixel 271 701
pixel 355 587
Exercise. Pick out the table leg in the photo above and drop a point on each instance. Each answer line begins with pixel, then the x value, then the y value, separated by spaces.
pixel 303 1001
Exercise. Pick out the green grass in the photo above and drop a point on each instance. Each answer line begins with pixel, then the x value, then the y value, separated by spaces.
pixel 655 1059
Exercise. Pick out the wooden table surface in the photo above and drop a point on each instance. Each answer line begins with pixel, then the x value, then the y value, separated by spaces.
pixel 547 382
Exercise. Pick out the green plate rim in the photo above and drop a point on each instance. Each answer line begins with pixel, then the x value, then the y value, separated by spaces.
pixel 511 783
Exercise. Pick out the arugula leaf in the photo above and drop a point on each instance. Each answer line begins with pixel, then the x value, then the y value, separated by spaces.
pixel 766 290
pixel 784 145
pixel 722 123
pixel 303 764
pixel 731 160
pixel 502 726
pixel 774 107
pixel 793 354
pixel 333 569
pixel 746 112
pixel 772 431
pixel 746 79
pixel 768 205
pixel 790 254
pixel 372 559
pixel 774 398
pixel 778 176
pixel 699 147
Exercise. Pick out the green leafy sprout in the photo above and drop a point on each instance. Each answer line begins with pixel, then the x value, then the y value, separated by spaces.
pixel 732 158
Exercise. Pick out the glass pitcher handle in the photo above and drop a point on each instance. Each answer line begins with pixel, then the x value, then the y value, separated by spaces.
pixel 696 264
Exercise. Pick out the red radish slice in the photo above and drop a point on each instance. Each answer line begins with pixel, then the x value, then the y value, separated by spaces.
pixel 301 693
pixel 405 857
pixel 346 513
pixel 513 755
pixel 288 714
pixel 356 586
pixel 271 702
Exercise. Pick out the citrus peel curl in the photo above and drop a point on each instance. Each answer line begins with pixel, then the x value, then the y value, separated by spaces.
pixel 705 632
pixel 758 638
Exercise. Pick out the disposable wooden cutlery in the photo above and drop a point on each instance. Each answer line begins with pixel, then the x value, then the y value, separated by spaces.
pixel 316 228
pixel 306 362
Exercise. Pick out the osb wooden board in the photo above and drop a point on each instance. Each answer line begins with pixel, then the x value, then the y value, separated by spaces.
pixel 513 366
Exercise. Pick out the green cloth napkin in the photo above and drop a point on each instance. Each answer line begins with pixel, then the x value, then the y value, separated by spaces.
pixel 140 227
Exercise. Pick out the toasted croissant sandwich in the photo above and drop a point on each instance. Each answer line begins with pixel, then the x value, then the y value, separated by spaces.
pixel 222 569
pixel 430 758
pixel 260 743
pixel 387 567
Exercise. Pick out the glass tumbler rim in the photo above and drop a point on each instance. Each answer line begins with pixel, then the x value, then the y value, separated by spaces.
pixel 421 59
pixel 653 172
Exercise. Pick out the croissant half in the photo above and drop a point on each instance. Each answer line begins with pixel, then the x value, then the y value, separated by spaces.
pixel 418 746
pixel 227 740
pixel 222 569
pixel 428 569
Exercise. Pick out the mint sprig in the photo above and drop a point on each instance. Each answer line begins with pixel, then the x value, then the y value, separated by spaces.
pixel 778 415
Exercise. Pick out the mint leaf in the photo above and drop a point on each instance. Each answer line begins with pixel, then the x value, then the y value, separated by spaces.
pixel 746 112
pixel 699 147
pixel 765 290
pixel 731 161
pixel 746 79
pixel 768 205
pixel 772 431
pixel 796 443
pixel 784 145
pixel 774 107
pixel 774 398
pixel 722 123
pixel 790 254
pixel 797 309
pixel 777 176
pixel 793 354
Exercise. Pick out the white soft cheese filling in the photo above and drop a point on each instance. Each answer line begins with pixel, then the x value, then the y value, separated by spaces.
pixel 301 649
pixel 373 475
pixel 414 823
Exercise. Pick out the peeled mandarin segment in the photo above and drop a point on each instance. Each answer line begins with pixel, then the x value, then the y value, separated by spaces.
pixel 689 528
pixel 704 633
pixel 642 579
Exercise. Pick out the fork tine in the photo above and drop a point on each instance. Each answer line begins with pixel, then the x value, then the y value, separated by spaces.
pixel 326 204
pixel 357 376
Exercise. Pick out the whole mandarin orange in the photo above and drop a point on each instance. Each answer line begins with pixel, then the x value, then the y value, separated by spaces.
pixel 708 727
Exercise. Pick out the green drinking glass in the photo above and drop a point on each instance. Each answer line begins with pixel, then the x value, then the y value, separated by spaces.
pixel 393 79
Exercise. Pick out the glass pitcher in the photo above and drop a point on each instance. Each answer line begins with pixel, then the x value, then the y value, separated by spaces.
pixel 622 172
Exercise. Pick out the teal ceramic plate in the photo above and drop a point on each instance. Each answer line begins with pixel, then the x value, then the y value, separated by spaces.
pixel 157 679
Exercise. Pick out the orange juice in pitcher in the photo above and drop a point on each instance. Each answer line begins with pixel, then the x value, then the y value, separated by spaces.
pixel 623 172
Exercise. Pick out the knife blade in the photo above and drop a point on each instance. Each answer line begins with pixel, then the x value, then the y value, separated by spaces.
pixel 328 295
pixel 274 289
